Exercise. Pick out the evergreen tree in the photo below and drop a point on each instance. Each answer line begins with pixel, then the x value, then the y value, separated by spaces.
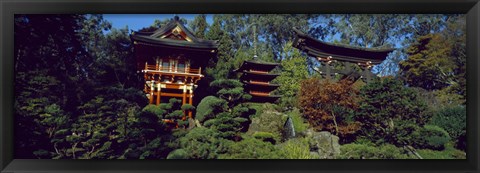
pixel 390 112
pixel 199 25
pixel 233 116
pixel 293 70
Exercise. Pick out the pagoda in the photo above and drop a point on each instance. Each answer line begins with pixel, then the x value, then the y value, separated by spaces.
pixel 171 59
pixel 256 77
pixel 328 53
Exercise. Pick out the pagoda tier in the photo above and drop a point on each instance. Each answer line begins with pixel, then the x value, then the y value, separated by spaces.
pixel 256 79
pixel 327 53
pixel 171 60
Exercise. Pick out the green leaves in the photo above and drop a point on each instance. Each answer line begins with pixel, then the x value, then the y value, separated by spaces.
pixel 227 112
pixel 200 143
pixel 209 107
pixel 294 69
pixel 390 111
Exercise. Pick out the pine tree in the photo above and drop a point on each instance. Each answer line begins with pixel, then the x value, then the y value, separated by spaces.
pixel 293 70
pixel 199 25
pixel 227 112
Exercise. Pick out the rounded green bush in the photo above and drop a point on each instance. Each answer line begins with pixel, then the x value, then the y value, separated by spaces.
pixel 431 137
pixel 177 154
pixel 454 121
pixel 154 109
pixel 209 107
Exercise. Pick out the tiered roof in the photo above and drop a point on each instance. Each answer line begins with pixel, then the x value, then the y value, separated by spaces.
pixel 256 77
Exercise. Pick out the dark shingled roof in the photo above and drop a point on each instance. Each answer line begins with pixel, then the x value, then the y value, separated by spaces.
pixel 258 76
pixel 318 48
pixel 247 65
pixel 153 38
pixel 260 87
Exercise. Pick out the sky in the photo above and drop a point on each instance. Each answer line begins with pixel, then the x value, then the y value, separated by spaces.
pixel 138 21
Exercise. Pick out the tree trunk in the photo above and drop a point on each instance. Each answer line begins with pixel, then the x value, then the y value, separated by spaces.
pixel 335 122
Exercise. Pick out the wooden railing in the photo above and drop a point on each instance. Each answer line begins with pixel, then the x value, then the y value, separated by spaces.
pixel 172 69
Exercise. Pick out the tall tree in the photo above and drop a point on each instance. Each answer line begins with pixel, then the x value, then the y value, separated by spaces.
pixel 429 64
pixel 390 112
pixel 48 61
pixel 293 71
pixel 199 25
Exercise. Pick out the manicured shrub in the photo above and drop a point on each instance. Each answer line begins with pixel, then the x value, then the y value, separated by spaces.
pixel 454 121
pixel 154 109
pixel 188 107
pixel 209 107
pixel 227 113
pixel 202 143
pixel 431 137
pixel 178 154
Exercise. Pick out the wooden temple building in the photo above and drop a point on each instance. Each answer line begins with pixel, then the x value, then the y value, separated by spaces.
pixel 256 78
pixel 347 56
pixel 171 60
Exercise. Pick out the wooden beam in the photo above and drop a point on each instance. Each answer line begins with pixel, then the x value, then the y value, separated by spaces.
pixel 172 95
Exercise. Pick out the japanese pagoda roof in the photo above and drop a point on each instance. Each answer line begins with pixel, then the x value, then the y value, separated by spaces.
pixel 253 75
pixel 252 64
pixel 158 37
pixel 318 48
pixel 260 87
pixel 263 98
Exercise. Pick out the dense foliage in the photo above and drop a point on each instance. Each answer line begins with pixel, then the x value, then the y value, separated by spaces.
pixel 390 112
pixel 78 94
pixel 329 106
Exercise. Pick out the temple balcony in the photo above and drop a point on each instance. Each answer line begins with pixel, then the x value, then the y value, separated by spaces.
pixel 174 71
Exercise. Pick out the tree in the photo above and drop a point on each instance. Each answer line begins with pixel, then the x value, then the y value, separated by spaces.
pixel 390 112
pixel 199 25
pixel 329 106
pixel 48 67
pixel 226 112
pixel 219 67
pixel 437 61
pixel 453 120
pixel 200 143
pixel 429 65
pixel 294 69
